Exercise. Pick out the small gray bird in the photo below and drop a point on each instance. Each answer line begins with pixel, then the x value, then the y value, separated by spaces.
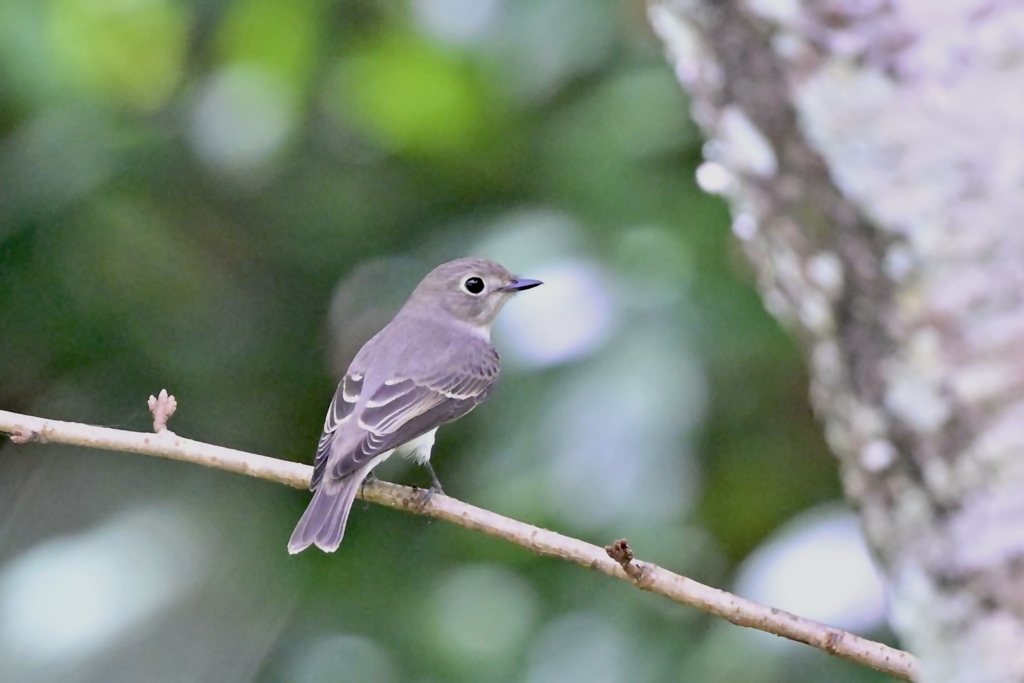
pixel 432 364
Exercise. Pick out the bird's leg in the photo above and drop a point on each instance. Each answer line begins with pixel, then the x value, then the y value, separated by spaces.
pixel 368 479
pixel 435 484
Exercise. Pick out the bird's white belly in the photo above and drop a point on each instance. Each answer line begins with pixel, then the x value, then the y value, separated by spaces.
pixel 419 448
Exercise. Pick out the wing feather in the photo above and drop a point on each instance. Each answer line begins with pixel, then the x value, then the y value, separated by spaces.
pixel 405 408
pixel 341 409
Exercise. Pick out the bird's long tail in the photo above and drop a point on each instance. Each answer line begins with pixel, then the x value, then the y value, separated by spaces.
pixel 323 522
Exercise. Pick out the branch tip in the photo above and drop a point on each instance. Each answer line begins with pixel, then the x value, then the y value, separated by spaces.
pixel 162 407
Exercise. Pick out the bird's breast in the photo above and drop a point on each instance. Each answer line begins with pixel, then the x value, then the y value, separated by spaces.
pixel 419 448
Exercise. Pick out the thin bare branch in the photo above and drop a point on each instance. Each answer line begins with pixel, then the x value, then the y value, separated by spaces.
pixel 616 561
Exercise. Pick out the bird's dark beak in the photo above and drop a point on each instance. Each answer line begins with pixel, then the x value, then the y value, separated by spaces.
pixel 520 284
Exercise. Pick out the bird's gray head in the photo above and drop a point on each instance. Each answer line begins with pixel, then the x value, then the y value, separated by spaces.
pixel 471 290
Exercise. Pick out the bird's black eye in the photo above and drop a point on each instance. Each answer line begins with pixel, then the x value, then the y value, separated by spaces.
pixel 473 285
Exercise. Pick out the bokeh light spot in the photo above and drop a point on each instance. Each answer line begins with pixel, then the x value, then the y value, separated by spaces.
pixel 242 117
pixel 799 567
pixel 618 434
pixel 570 316
pixel 131 50
pixel 410 96
pixel 482 611
pixel 65 599
pixel 458 22
pixel 343 659
pixel 580 647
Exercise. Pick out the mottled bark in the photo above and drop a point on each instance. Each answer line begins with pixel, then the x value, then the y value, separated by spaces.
pixel 874 159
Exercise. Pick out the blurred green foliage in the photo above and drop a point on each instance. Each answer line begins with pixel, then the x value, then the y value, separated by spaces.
pixel 226 198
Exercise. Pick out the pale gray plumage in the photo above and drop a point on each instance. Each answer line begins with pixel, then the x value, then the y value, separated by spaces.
pixel 431 364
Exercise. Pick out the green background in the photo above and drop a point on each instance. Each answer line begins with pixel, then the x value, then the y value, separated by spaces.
pixel 227 198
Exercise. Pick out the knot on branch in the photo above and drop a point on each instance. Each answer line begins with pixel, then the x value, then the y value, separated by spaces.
pixel 623 554
pixel 26 436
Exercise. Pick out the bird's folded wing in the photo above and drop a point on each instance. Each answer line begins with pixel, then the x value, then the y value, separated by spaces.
pixel 342 406
pixel 400 410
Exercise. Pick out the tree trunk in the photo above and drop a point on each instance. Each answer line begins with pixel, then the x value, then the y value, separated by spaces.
pixel 873 156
